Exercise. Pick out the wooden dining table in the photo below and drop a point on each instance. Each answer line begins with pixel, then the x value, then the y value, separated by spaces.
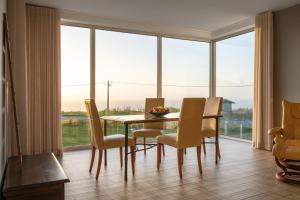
pixel 149 118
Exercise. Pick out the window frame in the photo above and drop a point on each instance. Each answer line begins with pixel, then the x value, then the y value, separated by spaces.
pixel 159 36
pixel 214 67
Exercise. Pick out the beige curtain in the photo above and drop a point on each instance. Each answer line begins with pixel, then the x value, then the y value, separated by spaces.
pixel 17 25
pixel 43 61
pixel 263 81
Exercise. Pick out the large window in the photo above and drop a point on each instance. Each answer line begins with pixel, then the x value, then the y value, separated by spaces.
pixel 75 84
pixel 234 82
pixel 126 66
pixel 126 73
pixel 185 72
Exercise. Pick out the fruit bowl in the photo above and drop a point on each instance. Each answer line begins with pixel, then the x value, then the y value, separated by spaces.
pixel 159 111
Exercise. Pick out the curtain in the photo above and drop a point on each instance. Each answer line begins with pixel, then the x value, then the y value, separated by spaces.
pixel 263 81
pixel 43 79
pixel 17 27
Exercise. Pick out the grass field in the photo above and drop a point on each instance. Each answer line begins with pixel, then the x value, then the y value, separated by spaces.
pixel 234 131
pixel 75 126
pixel 75 134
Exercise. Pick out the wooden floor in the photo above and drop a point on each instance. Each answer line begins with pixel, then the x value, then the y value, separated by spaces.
pixel 242 173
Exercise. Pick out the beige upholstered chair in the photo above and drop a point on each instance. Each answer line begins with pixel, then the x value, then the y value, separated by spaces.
pixel 150 130
pixel 213 106
pixel 188 132
pixel 100 142
pixel 287 142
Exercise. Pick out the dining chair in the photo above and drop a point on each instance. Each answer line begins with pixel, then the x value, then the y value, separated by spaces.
pixel 187 135
pixel 213 106
pixel 101 142
pixel 150 130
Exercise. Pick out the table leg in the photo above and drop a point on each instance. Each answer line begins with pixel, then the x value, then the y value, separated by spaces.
pixel 105 152
pixel 217 138
pixel 126 151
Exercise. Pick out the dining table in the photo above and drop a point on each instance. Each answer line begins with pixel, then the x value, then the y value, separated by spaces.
pixel 128 120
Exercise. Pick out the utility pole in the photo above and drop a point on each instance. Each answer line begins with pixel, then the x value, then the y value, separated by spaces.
pixel 107 96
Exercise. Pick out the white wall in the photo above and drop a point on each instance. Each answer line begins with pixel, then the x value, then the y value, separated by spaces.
pixel 286 58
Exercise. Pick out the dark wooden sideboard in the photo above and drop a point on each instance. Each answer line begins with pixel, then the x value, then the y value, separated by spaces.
pixel 41 177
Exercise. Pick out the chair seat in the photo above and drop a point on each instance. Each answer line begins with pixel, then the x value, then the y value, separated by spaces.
pixel 148 133
pixel 290 142
pixel 293 150
pixel 208 132
pixel 292 153
pixel 169 139
pixel 287 149
pixel 118 140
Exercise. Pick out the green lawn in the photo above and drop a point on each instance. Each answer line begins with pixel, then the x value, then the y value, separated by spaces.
pixel 75 132
pixel 75 127
pixel 234 131
pixel 75 135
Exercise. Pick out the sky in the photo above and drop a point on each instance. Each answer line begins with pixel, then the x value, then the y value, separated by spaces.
pixel 129 61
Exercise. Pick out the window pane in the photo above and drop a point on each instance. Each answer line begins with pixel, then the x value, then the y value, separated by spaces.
pixel 75 84
pixel 185 72
pixel 235 65
pixel 128 62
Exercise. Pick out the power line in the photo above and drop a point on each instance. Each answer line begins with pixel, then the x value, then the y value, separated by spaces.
pixel 245 85
pixel 152 84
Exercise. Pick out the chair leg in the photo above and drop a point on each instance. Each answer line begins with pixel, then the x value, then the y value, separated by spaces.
pixel 204 147
pixel 219 154
pixel 92 159
pixel 132 152
pixel 134 140
pixel 158 155
pixel 183 154
pixel 163 149
pixel 199 159
pixel 182 157
pixel 179 159
pixel 99 163
pixel 121 156
pixel 144 146
pixel 281 166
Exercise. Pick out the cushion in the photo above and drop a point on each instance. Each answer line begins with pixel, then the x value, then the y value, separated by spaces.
pixel 148 133
pixel 208 132
pixel 118 140
pixel 169 139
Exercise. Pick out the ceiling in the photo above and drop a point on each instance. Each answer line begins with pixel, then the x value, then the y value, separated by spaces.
pixel 205 15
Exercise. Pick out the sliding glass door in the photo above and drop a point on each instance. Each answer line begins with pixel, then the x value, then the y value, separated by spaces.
pixel 234 82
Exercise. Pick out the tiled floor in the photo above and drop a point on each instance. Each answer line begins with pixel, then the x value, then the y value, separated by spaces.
pixel 242 173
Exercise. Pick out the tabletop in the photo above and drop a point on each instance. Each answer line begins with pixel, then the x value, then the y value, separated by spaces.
pixel 134 119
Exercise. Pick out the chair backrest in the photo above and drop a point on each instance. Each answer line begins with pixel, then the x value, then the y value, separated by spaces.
pixel 291 120
pixel 149 104
pixel 96 136
pixel 190 122
pixel 213 106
